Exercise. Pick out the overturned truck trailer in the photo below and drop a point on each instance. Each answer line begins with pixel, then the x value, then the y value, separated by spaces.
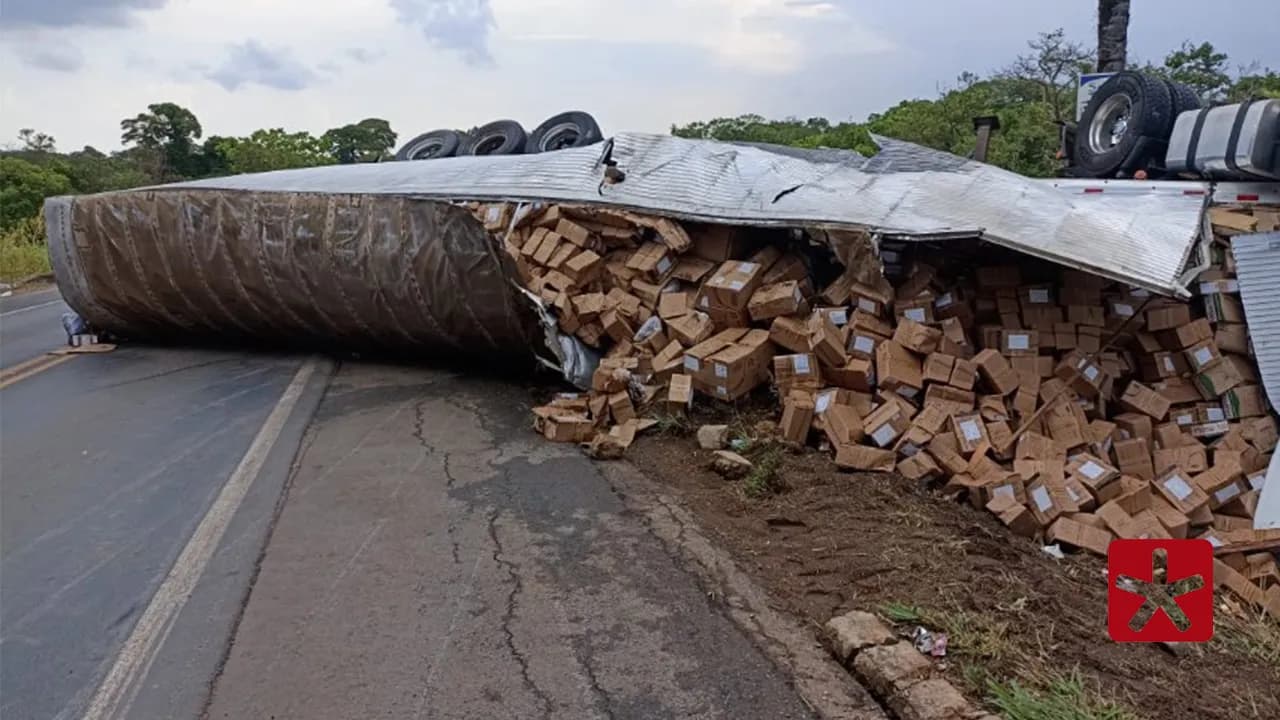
pixel 383 255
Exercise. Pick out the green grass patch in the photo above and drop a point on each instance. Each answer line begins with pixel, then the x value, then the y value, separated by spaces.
pixel 1065 697
pixel 23 252
pixel 763 479
pixel 896 612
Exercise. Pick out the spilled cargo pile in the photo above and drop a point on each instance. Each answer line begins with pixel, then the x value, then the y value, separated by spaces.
pixel 1075 409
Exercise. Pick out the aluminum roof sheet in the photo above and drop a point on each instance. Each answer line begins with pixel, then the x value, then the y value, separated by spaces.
pixel 1143 238
pixel 1257 268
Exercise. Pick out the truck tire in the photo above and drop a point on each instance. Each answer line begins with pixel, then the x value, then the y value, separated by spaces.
pixel 431 145
pixel 500 137
pixel 566 130
pixel 1128 107
pixel 1184 98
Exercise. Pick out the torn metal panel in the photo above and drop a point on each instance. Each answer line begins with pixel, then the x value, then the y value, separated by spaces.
pixel 1257 268
pixel 1140 237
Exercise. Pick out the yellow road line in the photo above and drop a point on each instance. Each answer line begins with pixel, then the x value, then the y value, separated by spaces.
pixel 32 367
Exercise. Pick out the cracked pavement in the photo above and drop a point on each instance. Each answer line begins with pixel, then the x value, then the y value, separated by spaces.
pixel 436 559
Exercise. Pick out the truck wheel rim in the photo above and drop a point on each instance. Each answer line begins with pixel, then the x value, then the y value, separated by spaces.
pixel 1110 123
pixel 560 137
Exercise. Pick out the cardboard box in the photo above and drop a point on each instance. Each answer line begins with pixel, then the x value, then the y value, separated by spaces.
pixel 789 267
pixel 1092 315
pixel 1082 375
pixel 857 374
pixel 1063 427
pixel 1140 398
pixel 1094 472
pixel 1134 425
pixel 970 432
pixel 679 393
pixel 919 311
pixel 843 425
pixel 898 368
pixel 675 304
pixel 1223 309
pixel 797 416
pixel 573 232
pixel 826 342
pixel 1176 487
pixel 1042 503
pixel 1184 335
pixel 792 372
pixel 1232 338
pixel 867 299
pixel 717 243
pixel 885 424
pixel 690 329
pixel 938 368
pixel 1019 343
pixel 1203 355
pixel 1166 317
pixel 583 267
pixel 861 457
pixel 949 399
pixel 1161 365
pixel 1072 533
pixel 839 316
pixel 917 337
pixel 733 284
pixel 996 372
pixel 771 301
pixel 920 467
pixel 964 374
pixel 790 333
pixel 1218 379
pixel 692 269
pixel 1174 522
pixel 1133 457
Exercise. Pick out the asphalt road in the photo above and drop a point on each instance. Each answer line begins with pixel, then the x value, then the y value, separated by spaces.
pixel 431 557
pixel 30 325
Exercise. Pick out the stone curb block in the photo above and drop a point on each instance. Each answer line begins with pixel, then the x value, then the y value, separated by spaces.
pixel 849 634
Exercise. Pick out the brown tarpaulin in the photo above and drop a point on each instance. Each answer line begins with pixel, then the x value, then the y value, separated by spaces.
pixel 353 270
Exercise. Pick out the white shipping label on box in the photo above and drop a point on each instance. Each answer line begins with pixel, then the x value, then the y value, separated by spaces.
pixel 1139 292
pixel 691 363
pixel 916 314
pixel 1092 470
pixel 970 430
pixel 722 370
pixel 1226 493
pixel 493 214
pixel 800 364
pixel 1075 496
pixel 837 317
pixel 1122 310
pixel 1213 540
pixel 746 267
pixel 1178 486
pixel 1004 490
pixel 1203 356
pixel 722 391
pixel 664 265
pixel 943 300
pixel 1257 479
pixel 1184 419
pixel 1038 295
pixel 884 435
pixel 1215 414
pixel 1091 373
pixel 1019 341
pixel 823 402
pixel 1168 364
pixel 704 302
pixel 863 344
pixel 737 285
pixel 1041 498
pixel 909 450
pixel 867 305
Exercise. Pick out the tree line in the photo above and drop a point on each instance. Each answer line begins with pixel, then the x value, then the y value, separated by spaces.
pixel 1030 96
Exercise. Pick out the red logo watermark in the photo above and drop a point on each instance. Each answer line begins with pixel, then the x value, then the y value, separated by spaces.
pixel 1142 607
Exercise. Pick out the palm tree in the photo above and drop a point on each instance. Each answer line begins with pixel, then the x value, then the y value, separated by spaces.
pixel 1113 34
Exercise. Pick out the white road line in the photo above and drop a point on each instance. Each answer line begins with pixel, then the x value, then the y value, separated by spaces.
pixel 31 307
pixel 114 695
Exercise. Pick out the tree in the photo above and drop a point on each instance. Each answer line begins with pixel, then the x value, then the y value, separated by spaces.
pixel 1201 67
pixel 170 132
pixel 273 149
pixel 369 140
pixel 1113 35
pixel 1256 84
pixel 36 141
pixel 1052 66
pixel 23 188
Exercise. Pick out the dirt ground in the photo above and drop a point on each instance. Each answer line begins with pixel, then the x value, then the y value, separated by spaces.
pixel 829 542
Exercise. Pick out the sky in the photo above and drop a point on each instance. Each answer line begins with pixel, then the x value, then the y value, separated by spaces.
pixel 75 68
